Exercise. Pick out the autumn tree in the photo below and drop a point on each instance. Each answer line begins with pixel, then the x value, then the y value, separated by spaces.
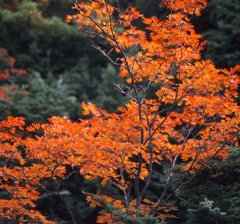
pixel 193 120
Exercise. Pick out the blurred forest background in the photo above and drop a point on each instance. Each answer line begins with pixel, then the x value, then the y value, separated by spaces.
pixel 48 67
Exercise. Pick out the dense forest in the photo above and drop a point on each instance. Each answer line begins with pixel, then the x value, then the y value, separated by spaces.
pixel 48 67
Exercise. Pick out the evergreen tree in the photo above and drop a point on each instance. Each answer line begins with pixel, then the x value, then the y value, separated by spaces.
pixel 219 24
pixel 214 193
pixel 53 52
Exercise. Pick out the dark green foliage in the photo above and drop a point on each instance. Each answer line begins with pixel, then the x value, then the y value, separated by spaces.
pixel 219 25
pixel 63 69
pixel 203 215
pixel 220 185
pixel 206 214
pixel 40 41
pixel 106 95
pixel 41 101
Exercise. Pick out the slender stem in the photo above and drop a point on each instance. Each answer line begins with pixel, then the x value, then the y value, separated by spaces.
pixel 66 204
pixel 150 168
